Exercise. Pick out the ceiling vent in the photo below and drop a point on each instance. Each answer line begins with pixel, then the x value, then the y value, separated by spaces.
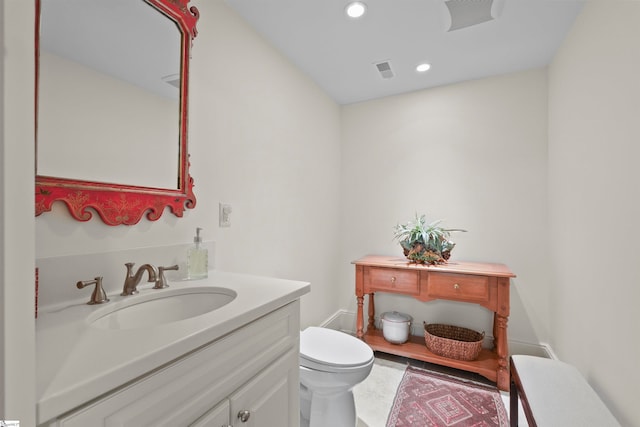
pixel 384 68
pixel 466 13
pixel 172 79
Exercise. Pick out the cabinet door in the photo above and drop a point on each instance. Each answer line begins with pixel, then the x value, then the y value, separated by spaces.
pixel 216 417
pixel 271 398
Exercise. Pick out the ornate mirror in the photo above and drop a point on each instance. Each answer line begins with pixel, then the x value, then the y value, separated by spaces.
pixel 112 97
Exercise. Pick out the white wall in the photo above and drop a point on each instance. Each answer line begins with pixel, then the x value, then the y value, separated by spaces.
pixel 473 154
pixel 594 194
pixel 17 334
pixel 269 145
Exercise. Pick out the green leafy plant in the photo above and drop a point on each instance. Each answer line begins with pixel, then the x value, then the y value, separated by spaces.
pixel 425 243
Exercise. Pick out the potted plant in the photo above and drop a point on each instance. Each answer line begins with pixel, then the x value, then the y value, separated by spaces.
pixel 425 243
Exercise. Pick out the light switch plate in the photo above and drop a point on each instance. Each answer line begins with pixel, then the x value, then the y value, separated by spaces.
pixel 224 218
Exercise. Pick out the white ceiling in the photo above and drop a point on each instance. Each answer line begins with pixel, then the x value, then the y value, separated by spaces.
pixel 125 39
pixel 339 53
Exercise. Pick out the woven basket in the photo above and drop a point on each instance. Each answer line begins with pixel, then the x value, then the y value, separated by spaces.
pixel 453 342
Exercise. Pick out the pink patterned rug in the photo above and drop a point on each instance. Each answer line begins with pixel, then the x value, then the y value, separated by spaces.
pixel 428 399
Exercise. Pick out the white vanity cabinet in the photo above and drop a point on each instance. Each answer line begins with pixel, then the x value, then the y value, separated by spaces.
pixel 248 377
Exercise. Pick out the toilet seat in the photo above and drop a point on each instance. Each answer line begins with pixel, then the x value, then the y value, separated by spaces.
pixel 328 350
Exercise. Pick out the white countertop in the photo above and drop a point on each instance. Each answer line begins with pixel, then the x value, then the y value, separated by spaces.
pixel 77 362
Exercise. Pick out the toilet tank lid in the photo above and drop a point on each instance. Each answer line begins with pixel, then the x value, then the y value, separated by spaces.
pixel 332 347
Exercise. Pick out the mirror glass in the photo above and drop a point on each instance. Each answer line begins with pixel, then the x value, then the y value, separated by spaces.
pixel 109 93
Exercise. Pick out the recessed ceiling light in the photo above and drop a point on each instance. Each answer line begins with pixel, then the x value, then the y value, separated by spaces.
pixel 424 67
pixel 356 9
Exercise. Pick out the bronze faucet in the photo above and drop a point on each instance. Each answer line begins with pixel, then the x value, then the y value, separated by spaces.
pixel 98 296
pixel 131 280
pixel 161 282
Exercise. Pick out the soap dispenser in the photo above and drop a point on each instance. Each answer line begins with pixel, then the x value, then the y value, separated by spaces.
pixel 197 258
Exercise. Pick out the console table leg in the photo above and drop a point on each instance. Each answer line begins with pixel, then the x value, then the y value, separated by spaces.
pixel 359 318
pixel 495 331
pixel 500 327
pixel 372 313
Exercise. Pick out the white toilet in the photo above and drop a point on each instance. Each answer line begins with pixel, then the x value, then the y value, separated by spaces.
pixel 331 364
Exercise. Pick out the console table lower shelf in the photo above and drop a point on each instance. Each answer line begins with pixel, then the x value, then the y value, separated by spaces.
pixel 486 364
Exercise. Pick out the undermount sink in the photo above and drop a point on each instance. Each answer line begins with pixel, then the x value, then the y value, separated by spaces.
pixel 156 308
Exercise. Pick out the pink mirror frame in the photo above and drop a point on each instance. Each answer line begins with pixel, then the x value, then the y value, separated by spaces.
pixel 118 204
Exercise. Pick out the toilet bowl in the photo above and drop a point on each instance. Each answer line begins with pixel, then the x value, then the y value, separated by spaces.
pixel 331 364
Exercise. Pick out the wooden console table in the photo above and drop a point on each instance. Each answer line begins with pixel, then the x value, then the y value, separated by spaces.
pixel 477 283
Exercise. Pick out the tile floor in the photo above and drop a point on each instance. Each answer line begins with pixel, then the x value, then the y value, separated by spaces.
pixel 374 396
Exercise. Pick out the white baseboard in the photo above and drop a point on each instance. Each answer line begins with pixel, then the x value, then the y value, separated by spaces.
pixel 550 353
pixel 341 320
pixel 530 349
pixel 345 321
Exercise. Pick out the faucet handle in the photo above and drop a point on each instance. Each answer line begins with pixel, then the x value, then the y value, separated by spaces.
pixel 161 282
pixel 98 296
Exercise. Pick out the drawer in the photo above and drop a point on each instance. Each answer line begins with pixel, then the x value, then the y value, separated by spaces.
pixel 462 287
pixel 396 281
